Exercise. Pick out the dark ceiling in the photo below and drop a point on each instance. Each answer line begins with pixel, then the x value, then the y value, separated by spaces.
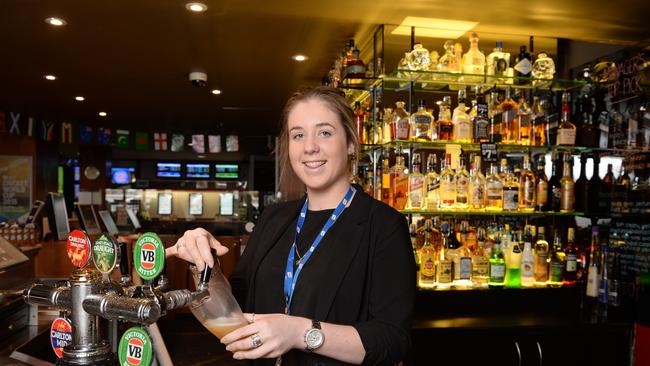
pixel 131 58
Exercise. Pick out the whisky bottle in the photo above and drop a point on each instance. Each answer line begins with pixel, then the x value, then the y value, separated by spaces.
pixel 462 186
pixel 509 109
pixel 359 118
pixel 447 185
pixel 566 133
pixel 480 262
pixel 473 61
pixel 541 257
pixel 416 191
pixel 399 183
pixel 510 193
pixel 399 123
pixel 538 120
pixel 528 260
pixel 497 266
pixel 567 188
pixel 523 118
pixel 432 181
pixel 462 130
pixel 477 186
pixel 427 278
pixel 421 123
pixel 558 264
pixel 496 118
pixel 481 121
pixel 444 267
pixel 513 266
pixel 571 259
pixel 494 190
pixel 444 125
pixel 541 194
pixel 527 188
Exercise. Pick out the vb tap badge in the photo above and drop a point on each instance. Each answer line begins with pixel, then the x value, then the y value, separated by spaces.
pixel 106 253
pixel 149 256
pixel 60 335
pixel 79 246
pixel 135 348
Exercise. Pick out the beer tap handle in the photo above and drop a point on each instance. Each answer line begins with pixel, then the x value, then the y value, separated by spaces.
pixel 125 270
pixel 207 271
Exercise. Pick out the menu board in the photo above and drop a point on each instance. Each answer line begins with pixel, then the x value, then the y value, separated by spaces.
pixel 15 186
pixel 635 254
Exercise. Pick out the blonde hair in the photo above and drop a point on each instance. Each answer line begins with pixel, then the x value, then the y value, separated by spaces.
pixel 290 185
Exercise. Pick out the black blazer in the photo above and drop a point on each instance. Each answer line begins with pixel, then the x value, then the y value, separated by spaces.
pixel 370 285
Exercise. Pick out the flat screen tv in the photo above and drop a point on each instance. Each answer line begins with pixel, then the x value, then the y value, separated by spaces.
pixel 226 171
pixel 108 222
pixel 88 219
pixel 197 171
pixel 121 175
pixel 164 203
pixel 168 170
pixel 57 216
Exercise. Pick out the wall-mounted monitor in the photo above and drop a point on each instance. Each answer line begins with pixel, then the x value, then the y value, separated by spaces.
pixel 196 204
pixel 226 171
pixel 121 175
pixel 168 170
pixel 88 219
pixel 165 203
pixel 133 218
pixel 226 204
pixel 197 171
pixel 108 222
pixel 57 216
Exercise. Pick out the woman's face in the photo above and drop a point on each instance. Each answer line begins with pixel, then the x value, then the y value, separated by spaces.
pixel 318 148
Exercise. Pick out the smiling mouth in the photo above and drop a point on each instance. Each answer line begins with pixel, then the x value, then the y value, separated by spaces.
pixel 314 164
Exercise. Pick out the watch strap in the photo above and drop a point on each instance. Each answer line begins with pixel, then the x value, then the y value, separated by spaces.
pixel 315 324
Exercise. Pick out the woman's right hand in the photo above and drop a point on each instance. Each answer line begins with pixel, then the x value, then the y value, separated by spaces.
pixel 194 246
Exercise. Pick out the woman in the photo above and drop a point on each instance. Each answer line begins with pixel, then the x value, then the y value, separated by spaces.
pixel 345 299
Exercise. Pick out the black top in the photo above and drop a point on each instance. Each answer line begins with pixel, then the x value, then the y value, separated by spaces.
pixel 362 274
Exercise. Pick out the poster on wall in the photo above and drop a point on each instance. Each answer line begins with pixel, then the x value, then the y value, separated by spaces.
pixel 15 186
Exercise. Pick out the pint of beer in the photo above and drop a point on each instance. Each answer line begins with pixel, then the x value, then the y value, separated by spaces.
pixel 222 326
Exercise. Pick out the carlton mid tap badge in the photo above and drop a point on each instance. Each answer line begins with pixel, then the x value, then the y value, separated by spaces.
pixel 78 248
pixel 60 335
pixel 149 256
pixel 135 348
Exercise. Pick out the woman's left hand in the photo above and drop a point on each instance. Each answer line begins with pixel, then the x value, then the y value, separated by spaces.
pixel 278 334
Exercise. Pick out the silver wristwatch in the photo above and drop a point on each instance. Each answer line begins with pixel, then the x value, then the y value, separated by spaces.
pixel 314 337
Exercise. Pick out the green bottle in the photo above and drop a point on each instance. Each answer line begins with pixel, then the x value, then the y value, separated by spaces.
pixel 497 269
pixel 513 272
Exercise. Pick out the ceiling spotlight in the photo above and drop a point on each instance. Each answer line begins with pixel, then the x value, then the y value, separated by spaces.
pixel 79 98
pixel 102 114
pixel 216 91
pixel 196 7
pixel 50 77
pixel 300 58
pixel 57 22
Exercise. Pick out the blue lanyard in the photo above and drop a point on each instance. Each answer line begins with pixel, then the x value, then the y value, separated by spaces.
pixel 290 278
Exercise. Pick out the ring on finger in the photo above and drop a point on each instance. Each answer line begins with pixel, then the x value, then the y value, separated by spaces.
pixel 256 341
pixel 180 244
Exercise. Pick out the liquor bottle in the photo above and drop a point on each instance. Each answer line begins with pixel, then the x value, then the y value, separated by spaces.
pixel 494 190
pixel 447 185
pixel 528 260
pixel 421 123
pixel 496 118
pixel 567 195
pixel 558 264
pixel 503 169
pixel 607 190
pixel 399 183
pixel 541 257
pixel 566 133
pixel 354 66
pixel 523 120
pixel 506 240
pixel 480 261
pixel 497 266
pixel 589 132
pixel 510 193
pixel 359 118
pixel 513 266
pixel 593 279
pixel 623 181
pixel 571 258
pixel 354 173
pixel 432 181
pixel 413 233
pixel 481 121
pixel 386 180
pixel 419 59
pixel 523 66
pixel 508 109
pixel 477 186
pixel 444 267
pixel 527 188
pixel 614 286
pixel 497 64
pixel 594 186
pixel 416 192
pixel 541 194
pixel 554 186
pixel 427 277
pixel 473 61
pixel 462 186
pixel 460 258
pixel 368 183
pixel 603 290
pixel 444 125
pixel 448 62
pixel 538 119
pixel 462 130
pixel 399 122
pixel 582 187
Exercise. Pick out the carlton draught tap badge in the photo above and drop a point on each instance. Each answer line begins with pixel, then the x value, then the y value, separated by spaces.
pixel 149 256
pixel 78 248
pixel 135 348
pixel 105 253
pixel 60 335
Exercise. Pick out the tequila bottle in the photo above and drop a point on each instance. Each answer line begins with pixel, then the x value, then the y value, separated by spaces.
pixel 496 118
pixel 566 132
pixel 494 190
pixel 510 192
pixel 419 59
pixel 524 125
pixel 462 130
pixel 432 181
pixel 541 257
pixel 497 64
pixel 444 125
pixel 416 188
pixel 399 123
pixel 477 186
pixel 473 61
pixel 558 263
pixel 544 69
pixel 508 109
pixel 528 260
pixel 567 189
pixel 421 122
pixel 571 259
pixel 447 185
pixel 449 63
pixel 427 277
pixel 497 266
pixel 462 186
pixel 527 189
pixel 481 121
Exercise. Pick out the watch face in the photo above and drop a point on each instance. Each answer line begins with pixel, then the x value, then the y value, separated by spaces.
pixel 314 338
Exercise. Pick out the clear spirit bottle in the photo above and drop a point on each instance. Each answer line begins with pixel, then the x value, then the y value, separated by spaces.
pixel 432 181
pixel 462 125
pixel 477 186
pixel 421 123
pixel 473 61
pixel 416 195
pixel 566 132
pixel 497 266
pixel 481 121
pixel 494 190
pixel 449 63
pixel 447 185
pixel 462 186
pixel 528 260
pixel 527 188
pixel 541 257
pixel 497 64
pixel 567 195
pixel 544 69
pixel 444 125
pixel 419 59
pixel 524 125
pixel 399 122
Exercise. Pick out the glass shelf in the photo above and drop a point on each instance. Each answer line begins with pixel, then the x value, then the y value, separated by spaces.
pixel 441 145
pixel 486 213
pixel 438 81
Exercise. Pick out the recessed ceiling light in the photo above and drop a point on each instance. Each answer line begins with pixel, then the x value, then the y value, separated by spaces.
pixel 434 27
pixel 50 77
pixel 57 22
pixel 216 91
pixel 300 58
pixel 79 98
pixel 102 114
pixel 196 7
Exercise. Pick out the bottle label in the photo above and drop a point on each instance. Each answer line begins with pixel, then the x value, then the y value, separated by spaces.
pixel 465 272
pixel 481 128
pixel 385 180
pixel 481 265
pixel 567 197
pixel 416 185
pixel 478 195
pixel 566 136
pixel 529 193
pixel 463 130
pixel 527 268
pixel 557 270
pixel 497 272
pixel 428 267
pixel 542 193
pixel 494 191
pixel 402 129
pixel 557 195
pixel 524 67
pixel 510 199
pixel 571 263
pixel 444 271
